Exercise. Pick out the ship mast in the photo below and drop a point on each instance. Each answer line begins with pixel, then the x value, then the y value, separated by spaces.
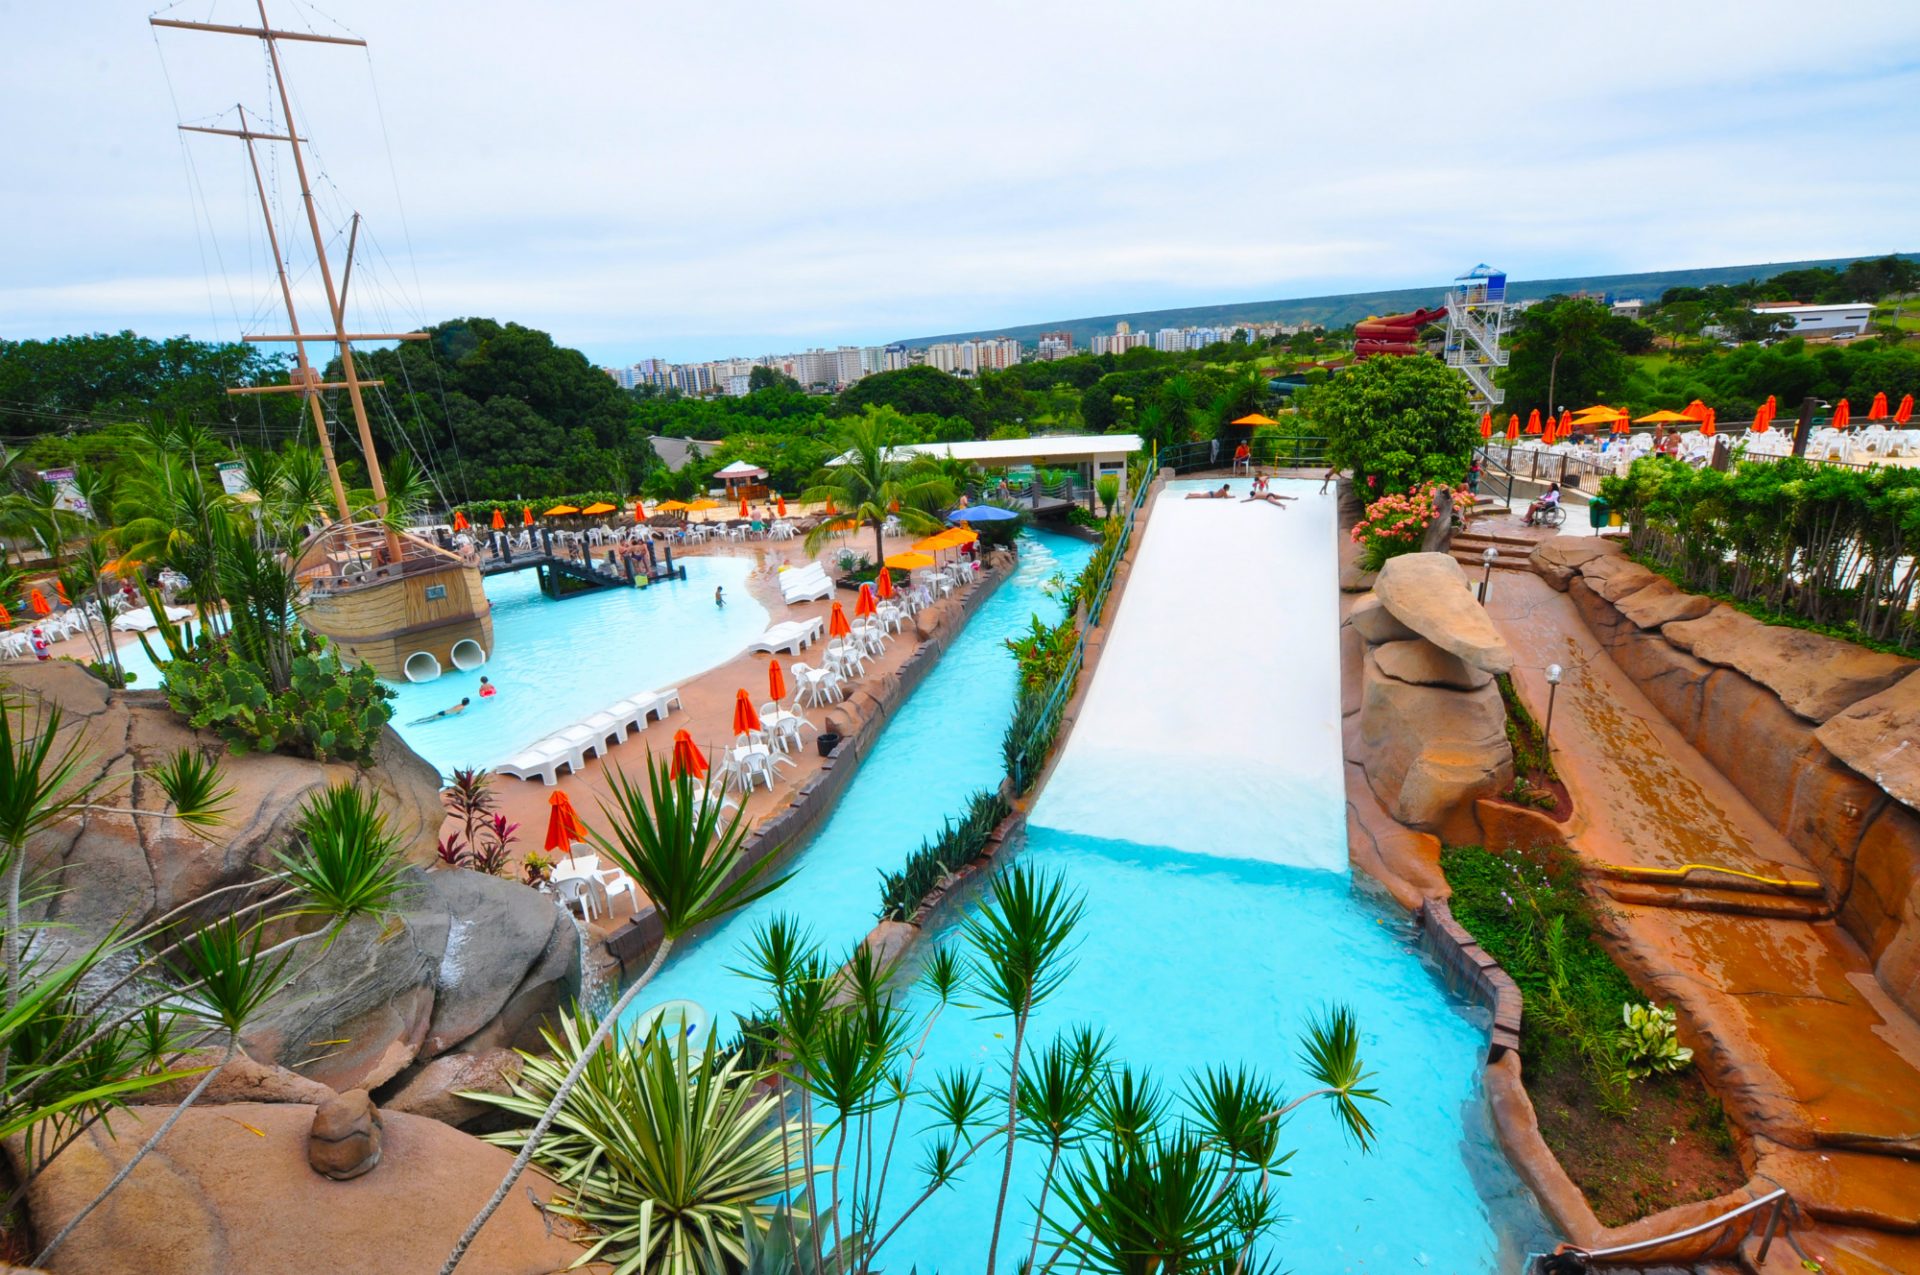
pixel 306 379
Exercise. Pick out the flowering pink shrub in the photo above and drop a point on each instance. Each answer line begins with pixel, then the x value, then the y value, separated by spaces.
pixel 1397 523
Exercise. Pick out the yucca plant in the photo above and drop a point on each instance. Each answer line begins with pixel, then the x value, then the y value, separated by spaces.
pixel 669 837
pixel 669 1153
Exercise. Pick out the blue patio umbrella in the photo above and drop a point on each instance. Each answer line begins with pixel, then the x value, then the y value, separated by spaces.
pixel 981 513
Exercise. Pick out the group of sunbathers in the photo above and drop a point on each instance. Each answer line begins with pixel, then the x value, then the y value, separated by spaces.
pixel 1260 492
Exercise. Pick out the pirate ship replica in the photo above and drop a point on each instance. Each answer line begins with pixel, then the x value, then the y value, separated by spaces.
pixel 382 596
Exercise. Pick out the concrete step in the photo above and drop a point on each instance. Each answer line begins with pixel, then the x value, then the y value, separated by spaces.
pixel 1694 898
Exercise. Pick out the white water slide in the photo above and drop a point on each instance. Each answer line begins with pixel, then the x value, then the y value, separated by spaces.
pixel 1213 722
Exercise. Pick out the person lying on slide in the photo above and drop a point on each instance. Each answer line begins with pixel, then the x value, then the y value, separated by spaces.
pixel 451 711
pixel 1222 494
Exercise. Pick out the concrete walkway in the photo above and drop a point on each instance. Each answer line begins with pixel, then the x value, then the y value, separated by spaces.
pixel 1818 1068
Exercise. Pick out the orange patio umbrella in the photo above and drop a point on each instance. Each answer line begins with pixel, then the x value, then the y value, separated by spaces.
pixel 526 515
pixel 743 507
pixel 1566 422
pixel 1760 422
pixel 1486 424
pixel 1551 434
pixel 744 718
pixel 686 758
pixel 893 506
pixel 1707 426
pixel 1623 423
pixel 1695 411
pixel 1842 415
pixel 639 511
pixel 864 605
pixel 776 681
pixel 1513 427
pixel 499 521
pixel 883 583
pixel 563 825
pixel 6 618
pixel 1903 413
pixel 1878 412
pixel 459 520
pixel 830 508
pixel 837 625
pixel 780 506
pixel 1533 421
pixel 38 601
pixel 60 587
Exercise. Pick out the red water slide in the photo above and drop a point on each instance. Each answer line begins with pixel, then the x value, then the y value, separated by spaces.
pixel 1393 333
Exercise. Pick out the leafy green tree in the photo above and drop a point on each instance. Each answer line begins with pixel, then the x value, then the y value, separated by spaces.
pixel 875 482
pixel 912 390
pixel 1395 422
pixel 768 378
pixel 1564 350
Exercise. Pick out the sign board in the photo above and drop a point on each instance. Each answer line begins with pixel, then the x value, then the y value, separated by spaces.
pixel 66 496
pixel 233 477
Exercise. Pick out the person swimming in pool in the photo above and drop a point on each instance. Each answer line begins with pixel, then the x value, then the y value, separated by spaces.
pixel 452 711
pixel 487 689
pixel 719 596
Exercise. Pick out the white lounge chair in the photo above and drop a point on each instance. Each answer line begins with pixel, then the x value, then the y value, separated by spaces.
pixel 536 761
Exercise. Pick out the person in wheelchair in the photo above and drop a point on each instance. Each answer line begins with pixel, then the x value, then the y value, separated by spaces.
pixel 1544 510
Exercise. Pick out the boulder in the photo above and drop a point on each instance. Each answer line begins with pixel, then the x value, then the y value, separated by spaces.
pixel 344 1140
pixel 435 1090
pixel 467 960
pixel 1429 593
pixel 1372 621
pixel 1660 602
pixel 1613 578
pixel 1814 675
pixel 1558 560
pixel 1421 663
pixel 230 1192
pixel 1879 736
pixel 1429 752
pixel 1354 578
pixel 1505 826
pixel 243 1079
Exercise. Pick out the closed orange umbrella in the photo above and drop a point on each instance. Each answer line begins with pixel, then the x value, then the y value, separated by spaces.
pixel 1533 421
pixel 459 520
pixel 526 516
pixel 1707 426
pixel 780 506
pixel 864 605
pixel 1623 423
pixel 38 601
pixel 1842 415
pixel 1486 424
pixel 1760 422
pixel 563 825
pixel 6 618
pixel 743 507
pixel 686 758
pixel 639 511
pixel 776 681
pixel 1513 427
pixel 744 718
pixel 893 506
pixel 883 584
pixel 1903 413
pixel 60 588
pixel 1878 412
pixel 1551 434
pixel 499 521
pixel 1566 422
pixel 837 625
pixel 830 508
pixel 1695 411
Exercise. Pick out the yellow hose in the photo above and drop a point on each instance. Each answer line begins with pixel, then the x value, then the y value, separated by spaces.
pixel 1631 873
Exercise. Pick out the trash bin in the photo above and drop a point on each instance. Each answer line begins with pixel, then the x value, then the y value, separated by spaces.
pixel 1599 515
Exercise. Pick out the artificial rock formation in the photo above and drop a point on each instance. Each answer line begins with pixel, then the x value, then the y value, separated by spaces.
pixel 465 961
pixel 436 1090
pixel 1820 735
pixel 344 1141
pixel 231 1192
pixel 1432 727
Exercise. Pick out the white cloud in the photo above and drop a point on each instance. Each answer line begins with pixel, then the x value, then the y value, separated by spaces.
pixel 698 180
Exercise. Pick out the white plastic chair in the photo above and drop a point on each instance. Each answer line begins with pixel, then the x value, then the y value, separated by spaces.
pixel 573 890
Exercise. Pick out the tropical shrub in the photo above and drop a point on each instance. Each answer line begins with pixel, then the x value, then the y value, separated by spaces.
pixel 1043 652
pixel 1832 547
pixel 1081 516
pixel 1396 422
pixel 1030 735
pixel 1396 524
pixel 1107 489
pixel 1649 1037
pixel 929 868
pixel 326 711
pixel 668 1153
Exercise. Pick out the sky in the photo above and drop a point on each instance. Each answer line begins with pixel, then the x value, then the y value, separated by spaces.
pixel 706 180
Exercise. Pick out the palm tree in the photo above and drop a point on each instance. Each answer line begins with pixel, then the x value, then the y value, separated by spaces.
pixel 668 837
pixel 876 479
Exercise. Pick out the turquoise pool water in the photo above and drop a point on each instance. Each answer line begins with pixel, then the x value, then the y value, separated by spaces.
pixel 557 662
pixel 940 747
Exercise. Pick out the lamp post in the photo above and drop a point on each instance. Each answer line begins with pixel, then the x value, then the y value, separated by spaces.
pixel 1489 555
pixel 1553 686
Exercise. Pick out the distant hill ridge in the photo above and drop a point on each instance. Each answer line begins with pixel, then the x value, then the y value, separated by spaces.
pixel 1350 307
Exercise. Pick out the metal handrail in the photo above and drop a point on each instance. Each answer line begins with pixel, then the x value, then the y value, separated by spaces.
pixel 1774 1201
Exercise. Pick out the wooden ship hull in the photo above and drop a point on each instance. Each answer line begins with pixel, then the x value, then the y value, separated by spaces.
pixel 411 620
